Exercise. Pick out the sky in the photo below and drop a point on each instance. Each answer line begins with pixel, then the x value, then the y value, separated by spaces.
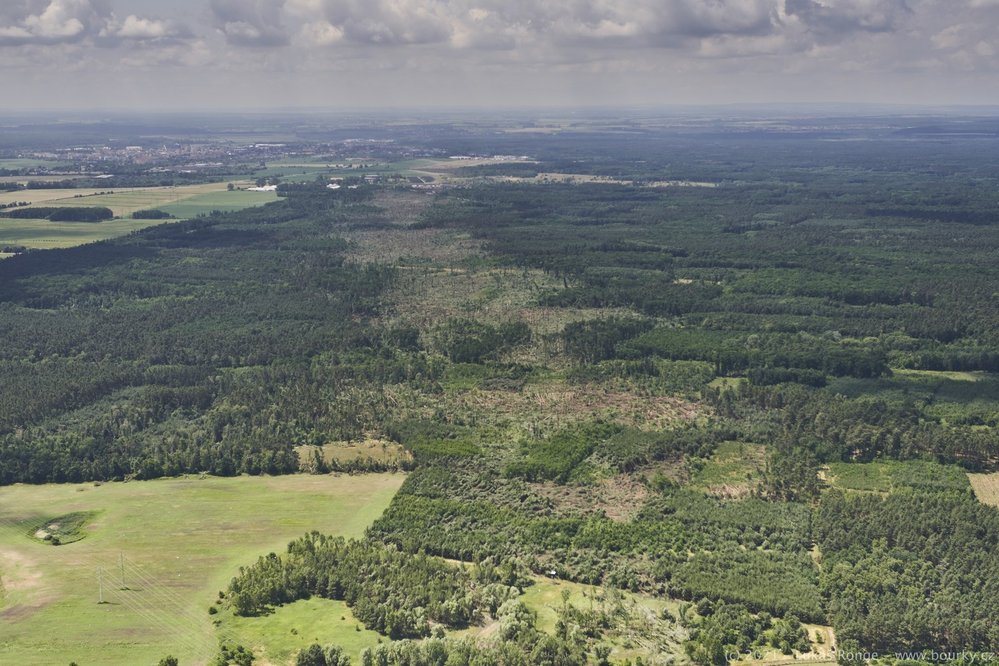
pixel 349 54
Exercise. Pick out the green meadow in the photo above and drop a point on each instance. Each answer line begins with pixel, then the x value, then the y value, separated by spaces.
pixel 278 636
pixel 888 475
pixel 203 204
pixel 173 543
pixel 44 235
pixel 30 163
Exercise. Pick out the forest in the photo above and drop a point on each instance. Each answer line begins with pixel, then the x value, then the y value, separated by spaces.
pixel 670 392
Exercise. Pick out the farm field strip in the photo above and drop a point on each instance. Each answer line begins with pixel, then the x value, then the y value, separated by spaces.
pixel 182 202
pixel 43 235
pixel 122 201
pixel 46 195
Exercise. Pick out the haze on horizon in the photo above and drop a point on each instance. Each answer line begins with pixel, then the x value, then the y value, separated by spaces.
pixel 218 54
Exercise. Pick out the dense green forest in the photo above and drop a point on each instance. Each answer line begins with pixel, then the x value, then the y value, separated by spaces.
pixel 657 390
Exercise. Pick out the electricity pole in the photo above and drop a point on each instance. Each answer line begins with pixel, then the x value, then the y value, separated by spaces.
pixel 121 569
pixel 100 586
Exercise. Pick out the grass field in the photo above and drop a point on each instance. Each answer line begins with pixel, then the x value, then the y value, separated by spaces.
pixel 182 539
pixel 640 629
pixel 182 202
pixel 986 487
pixel 279 636
pixel 30 163
pixel 43 235
pixel 202 198
pixel 883 477
pixel 40 196
pixel 734 470
pixel 205 202
pixel 40 179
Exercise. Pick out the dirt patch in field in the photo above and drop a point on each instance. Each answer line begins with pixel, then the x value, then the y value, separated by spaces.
pixel 19 572
pixel 986 487
pixel 619 497
pixel 730 490
pixel 403 207
pixel 675 470
pixel 19 612
pixel 18 575
pixel 426 295
pixel 401 244
pixel 342 453
pixel 558 405
pixel 413 249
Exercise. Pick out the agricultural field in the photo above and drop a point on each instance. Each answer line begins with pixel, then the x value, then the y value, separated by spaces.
pixel 428 170
pixel 206 201
pixel 181 539
pixel 182 202
pixel 43 234
pixel 198 199
pixel 73 197
pixel 986 487
pixel 30 163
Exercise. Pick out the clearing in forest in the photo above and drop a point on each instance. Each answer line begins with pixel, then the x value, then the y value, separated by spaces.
pixel 986 487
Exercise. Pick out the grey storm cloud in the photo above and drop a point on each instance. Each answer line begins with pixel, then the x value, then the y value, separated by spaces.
pixel 644 23
pixel 490 23
pixel 506 24
pixel 830 20
pixel 784 25
pixel 675 50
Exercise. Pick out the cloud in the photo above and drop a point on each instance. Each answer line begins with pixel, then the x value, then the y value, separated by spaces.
pixel 81 22
pixel 60 21
pixel 321 33
pixel 251 23
pixel 393 22
pixel 742 26
pixel 833 20
pixel 134 29
pixel 646 23
pixel 491 24
pixel 432 46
